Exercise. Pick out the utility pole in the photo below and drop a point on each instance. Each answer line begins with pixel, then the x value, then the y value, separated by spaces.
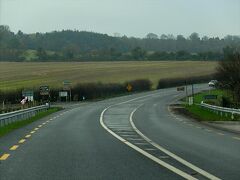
pixel 186 86
pixel 193 93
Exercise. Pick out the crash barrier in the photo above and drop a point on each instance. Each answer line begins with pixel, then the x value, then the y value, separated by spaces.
pixel 223 111
pixel 8 118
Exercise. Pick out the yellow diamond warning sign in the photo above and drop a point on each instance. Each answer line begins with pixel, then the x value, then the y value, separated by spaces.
pixel 129 87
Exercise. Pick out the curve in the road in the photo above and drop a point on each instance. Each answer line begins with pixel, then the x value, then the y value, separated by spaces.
pixel 117 119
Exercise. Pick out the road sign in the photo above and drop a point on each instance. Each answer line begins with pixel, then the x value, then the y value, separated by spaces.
pixel 28 94
pixel 67 82
pixel 44 90
pixel 63 94
pixel 180 88
pixel 210 96
pixel 129 87
pixel 66 88
pixel 67 85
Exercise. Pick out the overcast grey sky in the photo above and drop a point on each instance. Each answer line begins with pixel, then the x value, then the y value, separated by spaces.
pixel 127 17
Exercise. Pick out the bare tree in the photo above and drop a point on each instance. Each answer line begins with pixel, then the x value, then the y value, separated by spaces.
pixel 228 71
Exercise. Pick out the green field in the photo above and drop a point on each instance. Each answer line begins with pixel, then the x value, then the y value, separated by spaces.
pixel 14 75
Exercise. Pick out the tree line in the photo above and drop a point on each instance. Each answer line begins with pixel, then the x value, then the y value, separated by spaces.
pixel 76 45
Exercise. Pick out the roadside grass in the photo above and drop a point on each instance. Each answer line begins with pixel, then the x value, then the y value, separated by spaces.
pixel 16 75
pixel 199 97
pixel 16 125
pixel 206 115
pixel 203 114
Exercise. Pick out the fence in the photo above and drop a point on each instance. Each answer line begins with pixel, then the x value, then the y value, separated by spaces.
pixel 8 118
pixel 221 110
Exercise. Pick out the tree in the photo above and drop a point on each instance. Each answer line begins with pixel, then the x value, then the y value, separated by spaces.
pixel 194 37
pixel 70 50
pixel 228 71
pixel 20 33
pixel 205 38
pixel 170 36
pixel 164 37
pixel 138 53
pixel 41 53
pixel 152 36
pixel 180 38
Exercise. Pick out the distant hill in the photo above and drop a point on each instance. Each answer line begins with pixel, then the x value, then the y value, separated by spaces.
pixel 85 46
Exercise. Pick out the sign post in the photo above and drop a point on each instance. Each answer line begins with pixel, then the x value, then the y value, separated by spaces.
pixel 67 87
pixel 190 101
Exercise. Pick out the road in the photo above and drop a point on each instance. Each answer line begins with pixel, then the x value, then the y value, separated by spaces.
pixel 130 137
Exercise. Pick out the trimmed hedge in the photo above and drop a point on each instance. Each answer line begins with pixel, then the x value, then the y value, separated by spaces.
pixel 96 90
pixel 87 90
pixel 140 85
pixel 166 83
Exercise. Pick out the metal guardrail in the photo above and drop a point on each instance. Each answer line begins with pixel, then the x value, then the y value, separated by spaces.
pixel 8 118
pixel 221 110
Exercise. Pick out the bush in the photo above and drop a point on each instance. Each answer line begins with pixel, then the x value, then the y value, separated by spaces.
pixel 86 90
pixel 11 96
pixel 166 83
pixel 96 90
pixel 140 85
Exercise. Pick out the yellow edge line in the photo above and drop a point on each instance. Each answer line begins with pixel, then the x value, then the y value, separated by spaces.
pixel 13 148
pixel 4 157
pixel 28 136
pixel 22 141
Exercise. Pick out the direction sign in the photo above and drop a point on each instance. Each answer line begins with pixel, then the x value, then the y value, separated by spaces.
pixel 63 94
pixel 28 94
pixel 66 82
pixel 44 90
pixel 210 96
pixel 180 88
pixel 66 85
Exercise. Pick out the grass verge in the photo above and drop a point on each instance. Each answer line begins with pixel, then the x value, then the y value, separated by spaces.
pixel 205 115
pixel 8 128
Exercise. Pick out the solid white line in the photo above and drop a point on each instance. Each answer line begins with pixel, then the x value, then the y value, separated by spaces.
pixel 133 139
pixel 162 163
pixel 150 149
pixel 119 128
pixel 127 132
pixel 179 159
pixel 130 135
pixel 141 143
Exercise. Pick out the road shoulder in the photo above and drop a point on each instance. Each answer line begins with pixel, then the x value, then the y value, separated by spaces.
pixel 229 126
